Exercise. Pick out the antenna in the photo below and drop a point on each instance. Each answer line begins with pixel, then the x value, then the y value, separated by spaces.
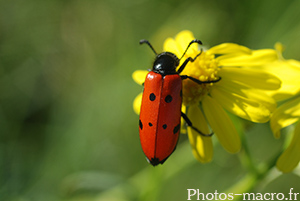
pixel 193 41
pixel 148 43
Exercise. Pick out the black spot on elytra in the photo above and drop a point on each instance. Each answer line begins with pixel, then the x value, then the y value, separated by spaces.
pixel 141 124
pixel 154 161
pixel 152 97
pixel 164 126
pixel 176 129
pixel 168 98
pixel 150 124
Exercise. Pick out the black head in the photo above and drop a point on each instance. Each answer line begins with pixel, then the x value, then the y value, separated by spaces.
pixel 165 63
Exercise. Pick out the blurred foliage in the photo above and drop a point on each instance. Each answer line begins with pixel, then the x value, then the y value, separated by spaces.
pixel 67 128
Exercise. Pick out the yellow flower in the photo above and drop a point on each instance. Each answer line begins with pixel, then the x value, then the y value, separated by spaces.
pixel 240 90
pixel 289 112
pixel 285 115
pixel 288 72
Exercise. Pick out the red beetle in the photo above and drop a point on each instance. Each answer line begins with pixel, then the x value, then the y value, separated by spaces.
pixel 160 115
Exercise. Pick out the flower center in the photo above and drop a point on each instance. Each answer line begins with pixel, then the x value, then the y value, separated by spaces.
pixel 204 68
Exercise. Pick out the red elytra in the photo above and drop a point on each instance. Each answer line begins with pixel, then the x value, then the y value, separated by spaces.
pixel 159 123
pixel 160 116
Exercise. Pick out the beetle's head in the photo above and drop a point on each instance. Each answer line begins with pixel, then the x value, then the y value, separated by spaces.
pixel 165 63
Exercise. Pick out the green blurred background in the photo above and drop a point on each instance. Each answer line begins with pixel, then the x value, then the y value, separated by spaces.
pixel 67 128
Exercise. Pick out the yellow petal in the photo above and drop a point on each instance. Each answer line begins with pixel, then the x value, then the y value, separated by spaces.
pixel 229 48
pixel 285 115
pixel 288 71
pixel 137 103
pixel 180 43
pixel 257 58
pixel 183 39
pixel 182 124
pixel 294 63
pixel 241 90
pixel 221 125
pixel 201 145
pixel 170 45
pixel 290 158
pixel 251 105
pixel 254 78
pixel 139 76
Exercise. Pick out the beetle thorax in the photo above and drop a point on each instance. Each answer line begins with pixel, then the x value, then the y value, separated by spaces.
pixel 165 63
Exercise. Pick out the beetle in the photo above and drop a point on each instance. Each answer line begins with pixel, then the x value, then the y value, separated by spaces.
pixel 160 114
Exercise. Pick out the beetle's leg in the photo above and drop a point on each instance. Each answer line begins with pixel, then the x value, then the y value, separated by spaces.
pixel 198 81
pixel 190 59
pixel 189 123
